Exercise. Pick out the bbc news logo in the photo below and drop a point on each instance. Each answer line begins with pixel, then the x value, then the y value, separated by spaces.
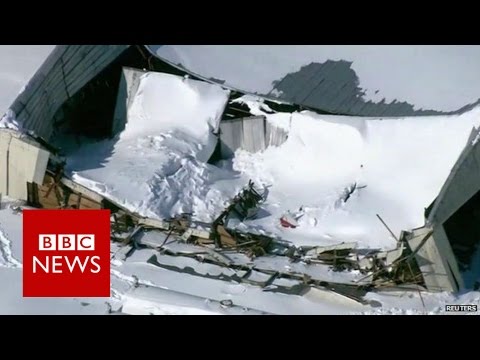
pixel 66 253
pixel 55 264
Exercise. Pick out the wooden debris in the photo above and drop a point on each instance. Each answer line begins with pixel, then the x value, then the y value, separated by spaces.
pixel 154 223
pixel 388 268
pixel 242 206
pixel 54 194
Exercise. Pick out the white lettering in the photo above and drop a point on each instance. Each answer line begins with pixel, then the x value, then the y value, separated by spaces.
pixel 47 242
pixel 76 260
pixel 86 242
pixel 44 267
pixel 66 242
pixel 94 263
pixel 56 264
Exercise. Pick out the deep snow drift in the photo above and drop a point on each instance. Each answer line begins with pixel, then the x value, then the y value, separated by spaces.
pixel 157 165
pixel 397 167
pixel 334 173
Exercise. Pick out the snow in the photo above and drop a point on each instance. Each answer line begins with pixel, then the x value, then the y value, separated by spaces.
pixel 399 166
pixel 141 288
pixel 163 150
pixel 410 303
pixel 135 306
pixel 10 228
pixel 243 295
pixel 18 63
pixel 12 302
pixel 7 260
pixel 438 77
pixel 149 300
pixel 477 138
pixel 340 171
pixel 8 121
pixel 157 166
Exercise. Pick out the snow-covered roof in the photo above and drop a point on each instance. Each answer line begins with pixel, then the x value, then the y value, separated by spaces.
pixel 367 80
pixel 18 63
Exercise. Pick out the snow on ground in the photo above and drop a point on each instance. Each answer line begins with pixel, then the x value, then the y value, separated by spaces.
pixel 12 302
pixel 10 252
pixel 142 288
pixel 411 303
pixel 8 121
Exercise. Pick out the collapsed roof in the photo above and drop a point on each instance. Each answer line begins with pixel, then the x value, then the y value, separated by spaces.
pixel 360 166
pixel 360 80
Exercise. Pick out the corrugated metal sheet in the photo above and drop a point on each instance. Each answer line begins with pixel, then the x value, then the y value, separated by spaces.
pixel 344 79
pixel 454 214
pixel 61 76
pixel 435 260
pixel 275 136
pixel 231 137
pixel 129 83
pixel 253 134
pixel 334 87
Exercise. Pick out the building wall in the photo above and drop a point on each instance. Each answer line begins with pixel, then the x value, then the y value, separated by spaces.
pixel 275 136
pixel 462 183
pixel 435 259
pixel 62 75
pixel 21 161
pixel 129 83
pixel 252 134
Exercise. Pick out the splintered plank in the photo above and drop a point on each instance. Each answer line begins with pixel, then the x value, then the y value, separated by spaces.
pixel 47 199
pixel 51 194
pixel 226 238
pixel 32 194
pixel 79 201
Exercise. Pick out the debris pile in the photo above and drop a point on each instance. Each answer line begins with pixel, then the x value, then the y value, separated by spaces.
pixel 381 268
pixel 182 227
pixel 377 269
pixel 243 206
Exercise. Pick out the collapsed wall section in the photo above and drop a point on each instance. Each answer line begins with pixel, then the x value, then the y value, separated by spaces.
pixel 21 161
pixel 253 134
pixel 456 212
pixel 156 164
pixel 65 72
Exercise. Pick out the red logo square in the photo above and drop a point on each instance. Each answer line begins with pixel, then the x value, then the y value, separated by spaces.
pixel 66 253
